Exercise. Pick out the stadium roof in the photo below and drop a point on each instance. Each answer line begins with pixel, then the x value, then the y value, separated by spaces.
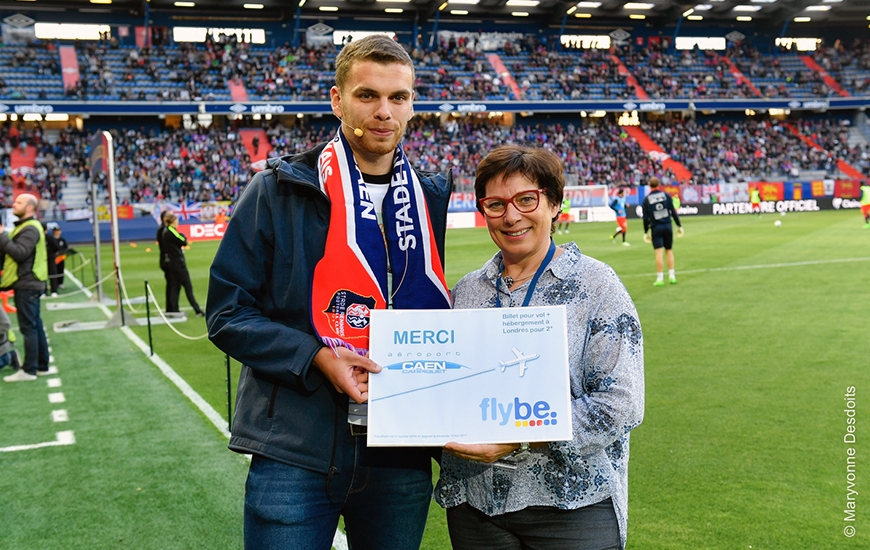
pixel 657 13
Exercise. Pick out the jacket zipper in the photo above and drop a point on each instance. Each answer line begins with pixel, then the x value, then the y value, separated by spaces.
pixel 332 469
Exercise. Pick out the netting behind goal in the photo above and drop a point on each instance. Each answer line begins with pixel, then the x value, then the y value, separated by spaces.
pixel 589 203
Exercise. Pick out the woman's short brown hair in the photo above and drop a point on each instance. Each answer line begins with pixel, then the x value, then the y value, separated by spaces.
pixel 540 166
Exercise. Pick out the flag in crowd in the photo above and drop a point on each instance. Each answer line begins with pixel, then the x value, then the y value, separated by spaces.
pixel 186 211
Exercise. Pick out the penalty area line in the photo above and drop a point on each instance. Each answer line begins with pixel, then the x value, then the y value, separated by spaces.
pixel 757 266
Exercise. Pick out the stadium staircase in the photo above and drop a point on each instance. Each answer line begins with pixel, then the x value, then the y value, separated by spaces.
pixel 630 80
pixel 499 67
pixel 861 124
pixel 857 138
pixel 657 153
pixel 69 66
pixel 22 164
pixel 263 148
pixel 850 171
pixel 738 75
pixel 237 91
pixel 75 194
pixel 829 80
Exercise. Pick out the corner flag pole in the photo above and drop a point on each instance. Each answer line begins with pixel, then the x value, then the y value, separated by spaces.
pixel 97 165
pixel 118 319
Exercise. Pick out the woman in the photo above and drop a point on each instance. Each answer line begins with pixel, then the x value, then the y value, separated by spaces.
pixel 172 243
pixel 556 495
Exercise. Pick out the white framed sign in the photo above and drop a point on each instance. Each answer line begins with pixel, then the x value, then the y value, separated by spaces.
pixel 469 375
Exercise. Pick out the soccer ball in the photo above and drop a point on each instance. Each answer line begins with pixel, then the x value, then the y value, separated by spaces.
pixel 777 223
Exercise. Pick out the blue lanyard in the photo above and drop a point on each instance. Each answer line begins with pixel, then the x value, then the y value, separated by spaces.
pixel 533 283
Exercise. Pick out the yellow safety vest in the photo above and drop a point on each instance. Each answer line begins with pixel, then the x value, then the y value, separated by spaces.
pixel 40 259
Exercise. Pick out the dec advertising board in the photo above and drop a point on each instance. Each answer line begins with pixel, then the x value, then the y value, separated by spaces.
pixel 203 231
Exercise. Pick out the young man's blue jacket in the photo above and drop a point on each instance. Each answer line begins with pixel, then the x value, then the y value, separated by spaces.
pixel 259 313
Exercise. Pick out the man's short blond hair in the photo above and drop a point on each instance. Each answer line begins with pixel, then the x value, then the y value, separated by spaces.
pixel 379 48
pixel 654 182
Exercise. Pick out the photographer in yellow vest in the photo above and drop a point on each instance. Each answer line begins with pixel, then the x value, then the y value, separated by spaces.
pixel 25 271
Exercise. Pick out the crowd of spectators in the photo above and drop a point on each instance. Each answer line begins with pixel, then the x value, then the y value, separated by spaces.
pixel 457 69
pixel 180 165
pixel 717 152
pixel 849 65
pixel 200 72
pixel 55 161
pixel 593 153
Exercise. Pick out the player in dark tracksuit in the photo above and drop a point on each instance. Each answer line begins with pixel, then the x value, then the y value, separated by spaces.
pixel 173 242
pixel 163 268
pixel 658 209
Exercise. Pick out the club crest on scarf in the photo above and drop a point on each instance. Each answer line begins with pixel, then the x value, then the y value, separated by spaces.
pixel 348 312
pixel 351 278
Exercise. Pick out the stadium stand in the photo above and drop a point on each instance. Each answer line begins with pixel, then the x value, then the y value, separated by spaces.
pixel 214 163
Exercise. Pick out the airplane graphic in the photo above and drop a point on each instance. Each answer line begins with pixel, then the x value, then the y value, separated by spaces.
pixel 520 361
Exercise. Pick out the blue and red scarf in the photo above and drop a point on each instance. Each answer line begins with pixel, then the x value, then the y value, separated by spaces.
pixel 351 278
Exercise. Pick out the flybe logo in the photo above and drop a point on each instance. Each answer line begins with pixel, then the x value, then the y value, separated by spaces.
pixel 522 414
pixel 425 367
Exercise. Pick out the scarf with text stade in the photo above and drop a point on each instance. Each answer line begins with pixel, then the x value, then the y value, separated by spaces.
pixel 351 278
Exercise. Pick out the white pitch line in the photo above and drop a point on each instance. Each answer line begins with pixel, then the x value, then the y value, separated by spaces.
pixel 339 542
pixel 63 438
pixel 60 415
pixel 181 383
pixel 56 398
pixel 54 383
pixel 209 411
pixel 757 266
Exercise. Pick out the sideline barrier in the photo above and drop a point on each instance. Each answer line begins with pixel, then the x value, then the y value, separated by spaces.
pixel 167 321
pixel 149 298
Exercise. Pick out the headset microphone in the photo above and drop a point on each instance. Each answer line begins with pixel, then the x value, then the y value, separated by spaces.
pixel 358 132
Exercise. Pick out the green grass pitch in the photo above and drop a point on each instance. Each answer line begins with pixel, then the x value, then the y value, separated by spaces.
pixel 748 360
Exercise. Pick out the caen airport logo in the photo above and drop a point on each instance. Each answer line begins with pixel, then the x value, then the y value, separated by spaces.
pixel 425 367
pixel 350 309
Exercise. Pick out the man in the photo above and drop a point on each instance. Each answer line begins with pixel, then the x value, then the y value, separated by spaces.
pixel 25 270
pixel 63 250
pixel 618 206
pixel 51 248
pixel 865 204
pixel 658 209
pixel 317 240
pixel 565 215
pixel 173 245
pixel 167 275
pixel 755 200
